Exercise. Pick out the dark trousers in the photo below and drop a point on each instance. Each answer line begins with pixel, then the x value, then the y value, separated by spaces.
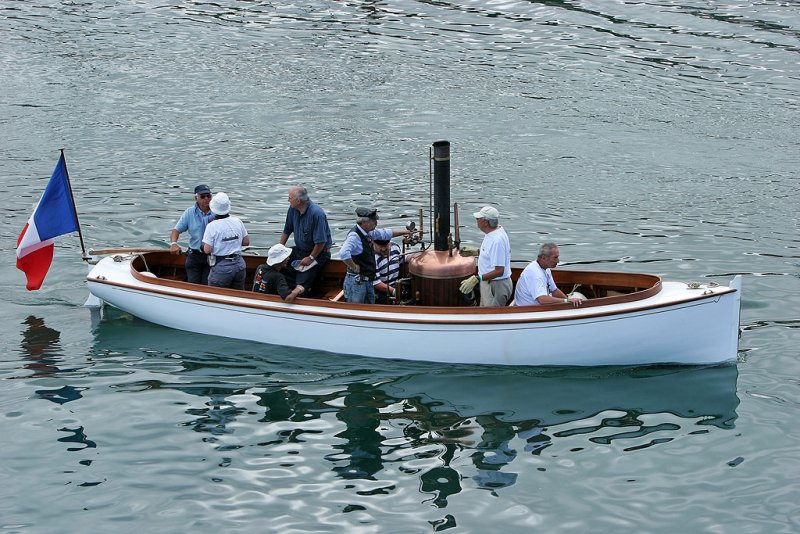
pixel 228 272
pixel 197 267
pixel 306 278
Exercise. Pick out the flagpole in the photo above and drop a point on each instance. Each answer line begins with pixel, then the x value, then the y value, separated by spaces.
pixel 74 208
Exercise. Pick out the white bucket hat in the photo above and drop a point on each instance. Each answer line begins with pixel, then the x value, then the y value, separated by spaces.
pixel 220 204
pixel 487 212
pixel 277 253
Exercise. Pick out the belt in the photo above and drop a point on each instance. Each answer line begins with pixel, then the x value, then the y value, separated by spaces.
pixel 361 277
pixel 196 251
pixel 228 257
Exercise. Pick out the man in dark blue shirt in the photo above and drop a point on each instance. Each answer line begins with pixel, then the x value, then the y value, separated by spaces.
pixel 312 238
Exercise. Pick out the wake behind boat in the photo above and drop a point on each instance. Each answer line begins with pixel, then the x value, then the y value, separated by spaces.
pixel 627 319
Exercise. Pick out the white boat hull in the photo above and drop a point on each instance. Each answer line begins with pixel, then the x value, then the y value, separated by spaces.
pixel 677 325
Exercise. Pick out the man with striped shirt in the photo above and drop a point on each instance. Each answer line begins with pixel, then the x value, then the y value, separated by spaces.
pixel 388 258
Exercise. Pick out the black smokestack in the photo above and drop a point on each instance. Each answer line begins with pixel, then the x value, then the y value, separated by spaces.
pixel 441 194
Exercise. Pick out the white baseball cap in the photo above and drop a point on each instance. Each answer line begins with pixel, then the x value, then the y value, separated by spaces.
pixel 487 212
pixel 220 204
pixel 278 253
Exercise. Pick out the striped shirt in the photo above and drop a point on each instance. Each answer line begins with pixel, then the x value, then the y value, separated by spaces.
pixel 388 269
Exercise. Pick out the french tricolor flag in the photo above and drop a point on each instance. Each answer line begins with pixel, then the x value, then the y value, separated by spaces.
pixel 53 216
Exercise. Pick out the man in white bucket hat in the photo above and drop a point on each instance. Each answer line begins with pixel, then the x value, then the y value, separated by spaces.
pixel 270 280
pixel 223 241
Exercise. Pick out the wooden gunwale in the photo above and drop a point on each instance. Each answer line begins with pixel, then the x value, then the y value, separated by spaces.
pixel 484 316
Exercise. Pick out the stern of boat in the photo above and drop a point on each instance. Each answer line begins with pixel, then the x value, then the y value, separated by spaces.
pixel 92 301
pixel 736 284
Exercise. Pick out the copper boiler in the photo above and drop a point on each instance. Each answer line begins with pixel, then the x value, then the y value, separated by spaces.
pixel 437 274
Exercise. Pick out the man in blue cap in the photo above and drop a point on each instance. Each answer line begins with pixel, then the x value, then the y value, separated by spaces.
pixel 388 259
pixel 194 219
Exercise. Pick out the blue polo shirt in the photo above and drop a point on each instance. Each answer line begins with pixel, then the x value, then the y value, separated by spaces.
pixel 194 220
pixel 309 228
pixel 352 243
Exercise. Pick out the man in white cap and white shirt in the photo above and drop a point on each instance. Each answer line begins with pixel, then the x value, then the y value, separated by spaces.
pixel 494 261
pixel 223 241
pixel 270 280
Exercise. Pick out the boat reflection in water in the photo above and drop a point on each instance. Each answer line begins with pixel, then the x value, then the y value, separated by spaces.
pixel 503 415
pixel 43 358
pixel 41 349
pixel 442 424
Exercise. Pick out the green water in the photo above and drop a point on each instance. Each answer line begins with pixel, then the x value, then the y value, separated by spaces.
pixel 659 138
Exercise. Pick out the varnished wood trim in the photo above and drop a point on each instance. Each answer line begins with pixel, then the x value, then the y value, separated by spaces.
pixel 262 302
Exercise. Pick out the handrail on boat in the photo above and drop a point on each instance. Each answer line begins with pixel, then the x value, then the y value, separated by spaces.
pixel 108 251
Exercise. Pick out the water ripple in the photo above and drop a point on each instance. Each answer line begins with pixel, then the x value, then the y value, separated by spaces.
pixel 656 136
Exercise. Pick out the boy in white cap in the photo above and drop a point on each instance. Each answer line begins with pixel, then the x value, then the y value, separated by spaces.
pixel 223 241
pixel 269 278
pixel 494 261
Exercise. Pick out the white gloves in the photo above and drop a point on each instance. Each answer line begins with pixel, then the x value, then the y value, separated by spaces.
pixel 468 284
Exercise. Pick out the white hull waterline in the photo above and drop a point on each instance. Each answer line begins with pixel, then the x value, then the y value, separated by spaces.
pixel 653 323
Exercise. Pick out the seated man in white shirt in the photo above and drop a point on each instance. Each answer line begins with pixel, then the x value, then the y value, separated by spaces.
pixel 536 286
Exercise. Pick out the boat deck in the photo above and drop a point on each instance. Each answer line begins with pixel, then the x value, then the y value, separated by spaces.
pixel 600 288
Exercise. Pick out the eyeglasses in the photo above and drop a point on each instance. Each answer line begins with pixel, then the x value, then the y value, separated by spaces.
pixel 205 195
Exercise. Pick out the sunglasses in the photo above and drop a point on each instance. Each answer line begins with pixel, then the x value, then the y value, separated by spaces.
pixel 205 195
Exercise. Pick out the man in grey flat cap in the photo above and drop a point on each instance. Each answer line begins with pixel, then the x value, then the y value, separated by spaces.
pixel 359 256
